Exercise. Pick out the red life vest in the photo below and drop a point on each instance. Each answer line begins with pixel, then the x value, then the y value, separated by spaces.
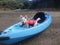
pixel 30 21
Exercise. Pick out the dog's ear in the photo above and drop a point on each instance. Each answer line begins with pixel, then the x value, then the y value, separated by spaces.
pixel 26 16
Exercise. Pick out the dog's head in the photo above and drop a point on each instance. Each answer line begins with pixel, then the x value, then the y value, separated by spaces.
pixel 23 18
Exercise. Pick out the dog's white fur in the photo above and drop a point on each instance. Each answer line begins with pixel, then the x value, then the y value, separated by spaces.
pixel 26 18
pixel 37 21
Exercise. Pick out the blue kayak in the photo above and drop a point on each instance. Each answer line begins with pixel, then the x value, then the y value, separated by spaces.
pixel 16 33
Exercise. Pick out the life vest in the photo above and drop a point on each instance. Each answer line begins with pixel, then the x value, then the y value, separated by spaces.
pixel 30 21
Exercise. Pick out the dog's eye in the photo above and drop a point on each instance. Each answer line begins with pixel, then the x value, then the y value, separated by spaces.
pixel 25 17
pixel 21 17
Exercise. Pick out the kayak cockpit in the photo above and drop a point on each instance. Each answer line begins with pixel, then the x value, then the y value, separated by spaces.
pixel 38 18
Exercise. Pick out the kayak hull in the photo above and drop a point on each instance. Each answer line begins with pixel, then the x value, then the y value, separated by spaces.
pixel 19 33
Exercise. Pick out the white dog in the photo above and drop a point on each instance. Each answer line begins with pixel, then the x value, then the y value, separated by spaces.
pixel 27 21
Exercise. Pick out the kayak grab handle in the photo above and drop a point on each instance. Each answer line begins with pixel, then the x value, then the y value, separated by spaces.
pixel 4 38
pixel 0 32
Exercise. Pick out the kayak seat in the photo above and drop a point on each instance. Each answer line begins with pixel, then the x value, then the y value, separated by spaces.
pixel 40 15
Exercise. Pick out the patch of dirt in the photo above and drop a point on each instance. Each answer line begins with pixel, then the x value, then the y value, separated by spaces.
pixel 51 36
